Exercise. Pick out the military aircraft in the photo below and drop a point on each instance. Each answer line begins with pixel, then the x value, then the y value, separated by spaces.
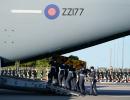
pixel 30 29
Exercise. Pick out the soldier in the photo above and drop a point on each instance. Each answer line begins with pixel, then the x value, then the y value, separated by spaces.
pixel 69 77
pixel 56 73
pixel 82 75
pixel 53 72
pixel 98 75
pixel 78 78
pixel 2 72
pixel 25 73
pixel 106 75
pixel 61 74
pixel 109 76
pixel 66 71
pixel 74 79
pixel 102 75
pixel 8 72
pixel 20 72
pixel 41 74
pixel 114 76
pixel 30 73
pixel 93 90
pixel 66 74
pixel 13 73
pixel 125 77
pixel 50 77
pixel 121 75
pixel 35 73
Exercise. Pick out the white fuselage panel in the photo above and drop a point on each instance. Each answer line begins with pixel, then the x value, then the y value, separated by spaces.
pixel 24 35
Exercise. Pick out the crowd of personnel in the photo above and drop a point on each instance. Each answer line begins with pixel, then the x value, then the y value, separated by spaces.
pixel 65 75
pixel 109 75
pixel 27 73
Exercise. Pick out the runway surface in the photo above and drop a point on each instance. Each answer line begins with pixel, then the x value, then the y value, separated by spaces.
pixel 105 92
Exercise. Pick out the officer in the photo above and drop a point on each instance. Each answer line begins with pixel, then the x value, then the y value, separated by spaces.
pixel 93 90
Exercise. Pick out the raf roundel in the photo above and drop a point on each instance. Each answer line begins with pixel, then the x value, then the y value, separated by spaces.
pixel 52 11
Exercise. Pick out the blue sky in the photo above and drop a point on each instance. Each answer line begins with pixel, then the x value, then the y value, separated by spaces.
pixel 99 55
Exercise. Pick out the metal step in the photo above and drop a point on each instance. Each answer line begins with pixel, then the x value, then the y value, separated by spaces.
pixel 62 91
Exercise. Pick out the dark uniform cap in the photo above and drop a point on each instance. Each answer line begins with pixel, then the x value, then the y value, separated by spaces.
pixel 91 67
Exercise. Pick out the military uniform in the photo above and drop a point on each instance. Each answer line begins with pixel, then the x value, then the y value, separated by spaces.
pixel 78 78
pixel 82 75
pixel 61 74
pixel 74 79
pixel 69 78
pixel 53 72
pixel 93 90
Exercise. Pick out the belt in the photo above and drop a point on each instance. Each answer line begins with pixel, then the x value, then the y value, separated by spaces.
pixel 82 75
pixel 62 69
pixel 70 72
pixel 53 67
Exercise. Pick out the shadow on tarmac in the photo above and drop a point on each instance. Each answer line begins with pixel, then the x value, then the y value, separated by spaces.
pixel 114 92
pixel 101 91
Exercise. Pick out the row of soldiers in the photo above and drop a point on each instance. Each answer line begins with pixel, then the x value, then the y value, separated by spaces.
pixel 65 75
pixel 27 73
pixel 113 76
pixel 101 75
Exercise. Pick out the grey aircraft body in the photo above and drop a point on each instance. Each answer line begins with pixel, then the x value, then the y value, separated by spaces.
pixel 29 28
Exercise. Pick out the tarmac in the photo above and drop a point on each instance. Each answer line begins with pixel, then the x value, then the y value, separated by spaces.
pixel 105 92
